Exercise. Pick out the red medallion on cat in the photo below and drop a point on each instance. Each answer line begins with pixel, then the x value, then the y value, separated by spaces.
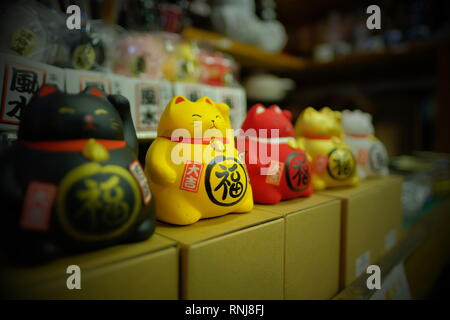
pixel 278 168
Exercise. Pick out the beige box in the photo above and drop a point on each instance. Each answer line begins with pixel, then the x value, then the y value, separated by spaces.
pixel 371 223
pixel 312 246
pixel 144 270
pixel 236 256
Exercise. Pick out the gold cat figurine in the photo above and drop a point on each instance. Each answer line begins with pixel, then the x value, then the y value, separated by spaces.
pixel 193 167
pixel 321 135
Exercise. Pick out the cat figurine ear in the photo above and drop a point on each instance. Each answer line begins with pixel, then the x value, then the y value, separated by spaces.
pixel 224 109
pixel 287 114
pixel 206 100
pixel 122 106
pixel 94 91
pixel 44 91
pixel 176 100
pixel 173 104
pixel 47 89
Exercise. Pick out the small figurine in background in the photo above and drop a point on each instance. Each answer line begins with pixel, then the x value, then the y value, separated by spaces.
pixel 321 134
pixel 216 69
pixel 237 19
pixel 141 56
pixel 72 181
pixel 193 166
pixel 371 155
pixel 182 63
pixel 275 175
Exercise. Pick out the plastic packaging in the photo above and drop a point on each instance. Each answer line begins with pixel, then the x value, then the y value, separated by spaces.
pixel 30 30
pixel 140 55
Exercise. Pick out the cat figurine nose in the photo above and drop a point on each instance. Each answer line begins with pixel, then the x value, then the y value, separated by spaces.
pixel 95 151
pixel 89 121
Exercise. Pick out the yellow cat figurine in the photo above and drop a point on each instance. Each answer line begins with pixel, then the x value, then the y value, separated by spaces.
pixel 193 167
pixel 321 135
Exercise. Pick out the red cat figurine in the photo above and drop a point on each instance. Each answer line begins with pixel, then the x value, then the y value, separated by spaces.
pixel 278 168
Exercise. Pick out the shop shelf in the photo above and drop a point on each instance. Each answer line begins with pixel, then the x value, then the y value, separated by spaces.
pixel 425 241
pixel 247 55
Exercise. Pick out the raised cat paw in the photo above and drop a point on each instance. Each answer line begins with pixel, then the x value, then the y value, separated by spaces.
pixel 318 183
pixel 162 176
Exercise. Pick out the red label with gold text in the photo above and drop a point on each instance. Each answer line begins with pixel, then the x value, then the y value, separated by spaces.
pixel 362 157
pixel 275 170
pixel 139 175
pixel 320 164
pixel 191 176
pixel 38 206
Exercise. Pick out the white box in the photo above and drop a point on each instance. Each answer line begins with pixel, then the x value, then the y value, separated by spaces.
pixel 21 79
pixel 78 80
pixel 148 99
pixel 194 91
pixel 236 99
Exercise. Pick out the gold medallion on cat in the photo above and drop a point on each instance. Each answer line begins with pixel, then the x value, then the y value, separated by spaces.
pixel 83 57
pixel 138 66
pixel 225 181
pixel 217 145
pixel 97 202
pixel 23 42
pixel 341 163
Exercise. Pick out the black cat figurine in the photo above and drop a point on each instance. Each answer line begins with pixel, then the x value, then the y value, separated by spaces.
pixel 72 181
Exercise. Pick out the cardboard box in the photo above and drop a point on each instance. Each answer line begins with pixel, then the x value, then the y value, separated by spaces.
pixel 312 246
pixel 236 256
pixel 143 270
pixel 21 78
pixel 371 223
pixel 236 99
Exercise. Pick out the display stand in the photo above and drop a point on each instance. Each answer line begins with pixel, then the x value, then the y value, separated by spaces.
pixel 371 220
pixel 312 244
pixel 236 256
pixel 297 249
pixel 427 240
pixel 144 270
